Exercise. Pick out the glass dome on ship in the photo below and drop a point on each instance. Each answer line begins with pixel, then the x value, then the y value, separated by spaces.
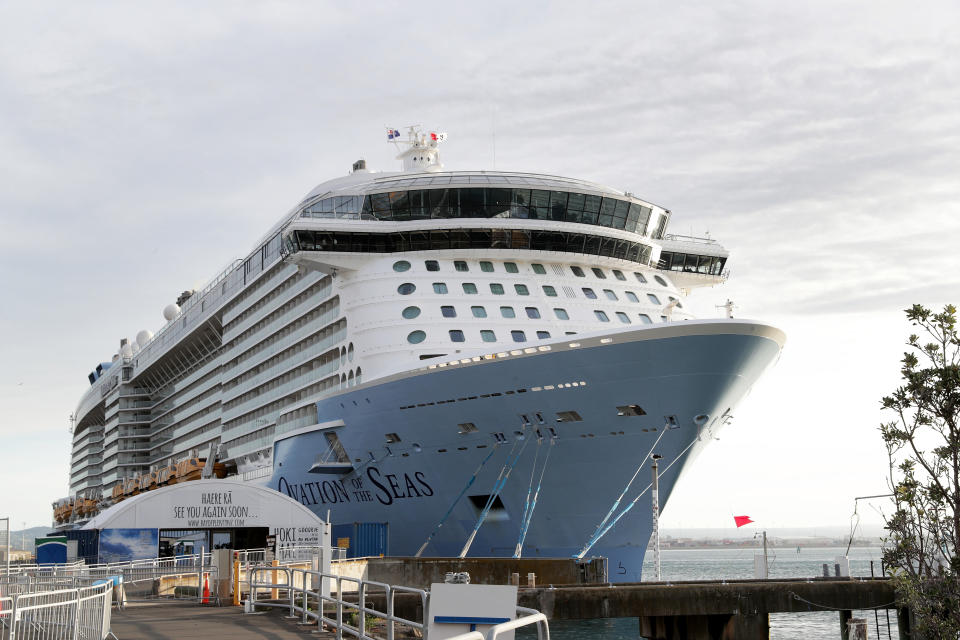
pixel 399 341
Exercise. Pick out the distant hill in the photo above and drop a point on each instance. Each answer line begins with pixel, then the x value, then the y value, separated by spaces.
pixel 22 540
pixel 731 533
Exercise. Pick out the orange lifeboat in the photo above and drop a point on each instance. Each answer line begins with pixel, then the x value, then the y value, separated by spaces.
pixel 167 475
pixel 131 486
pixel 189 469
pixel 117 493
pixel 148 481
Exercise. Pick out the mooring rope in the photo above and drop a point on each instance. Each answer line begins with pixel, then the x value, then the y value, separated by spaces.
pixel 528 517
pixel 455 501
pixel 616 503
pixel 497 488
pixel 593 540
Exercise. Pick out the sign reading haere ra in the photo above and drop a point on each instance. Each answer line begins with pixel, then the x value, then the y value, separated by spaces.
pixel 212 509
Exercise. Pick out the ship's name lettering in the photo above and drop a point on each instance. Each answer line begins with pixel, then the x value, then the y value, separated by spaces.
pixel 386 489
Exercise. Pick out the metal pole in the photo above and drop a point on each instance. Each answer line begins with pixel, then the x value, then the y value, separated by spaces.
pixel 766 567
pixel 656 516
pixel 7 520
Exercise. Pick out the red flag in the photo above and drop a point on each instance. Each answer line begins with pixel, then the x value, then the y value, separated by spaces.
pixel 742 520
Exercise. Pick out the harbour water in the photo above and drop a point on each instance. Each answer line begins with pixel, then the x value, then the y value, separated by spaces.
pixel 718 563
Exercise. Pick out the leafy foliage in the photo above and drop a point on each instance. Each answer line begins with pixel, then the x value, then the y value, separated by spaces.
pixel 923 445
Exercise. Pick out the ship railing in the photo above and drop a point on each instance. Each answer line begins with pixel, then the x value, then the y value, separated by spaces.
pixel 679 237
pixel 529 617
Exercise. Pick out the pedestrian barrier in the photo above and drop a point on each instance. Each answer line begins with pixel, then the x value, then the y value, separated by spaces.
pixel 63 614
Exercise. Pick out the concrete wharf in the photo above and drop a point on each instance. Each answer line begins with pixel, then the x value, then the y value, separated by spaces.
pixel 711 610
pixel 187 621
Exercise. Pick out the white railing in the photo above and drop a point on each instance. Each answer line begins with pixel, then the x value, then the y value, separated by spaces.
pixel 317 597
pixel 63 614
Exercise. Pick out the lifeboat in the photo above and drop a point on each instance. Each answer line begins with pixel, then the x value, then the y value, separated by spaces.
pixel 189 469
pixel 148 481
pixel 117 493
pixel 131 486
pixel 167 475
pixel 68 510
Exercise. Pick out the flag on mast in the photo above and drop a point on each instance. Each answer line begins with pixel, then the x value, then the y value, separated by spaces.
pixel 392 134
pixel 742 520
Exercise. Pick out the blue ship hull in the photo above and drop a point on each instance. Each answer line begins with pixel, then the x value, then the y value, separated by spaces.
pixel 685 378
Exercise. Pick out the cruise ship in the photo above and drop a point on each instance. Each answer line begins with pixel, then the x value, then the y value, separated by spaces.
pixel 486 360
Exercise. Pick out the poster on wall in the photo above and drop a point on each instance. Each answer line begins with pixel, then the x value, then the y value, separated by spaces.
pixel 295 543
pixel 122 545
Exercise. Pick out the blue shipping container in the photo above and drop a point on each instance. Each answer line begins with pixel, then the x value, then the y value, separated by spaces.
pixel 362 539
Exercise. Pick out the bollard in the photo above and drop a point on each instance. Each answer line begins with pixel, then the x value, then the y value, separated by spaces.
pixel 515 579
pixel 274 593
pixel 531 580
pixel 826 571
pixel 236 582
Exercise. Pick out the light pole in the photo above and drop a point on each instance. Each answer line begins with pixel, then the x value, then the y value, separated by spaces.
pixel 7 520
pixel 656 516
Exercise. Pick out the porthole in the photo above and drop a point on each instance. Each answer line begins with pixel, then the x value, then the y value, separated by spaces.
pixel 640 277
pixel 645 319
pixel 411 312
pixel 401 266
pixel 460 265
pixel 521 289
pixel 511 267
pixel 631 296
pixel 406 288
pixel 661 281
pixel 496 288
pixel 601 316
pixel 543 335
pixel 479 312
pixel 448 312
pixel 486 266
pixel 538 269
pixel 549 291
pixel 518 336
pixel 416 337
pixel 456 335
pixel 432 265
pixel 350 352
pixel 577 271
pixel 619 274
pixel 654 299
pixel 487 335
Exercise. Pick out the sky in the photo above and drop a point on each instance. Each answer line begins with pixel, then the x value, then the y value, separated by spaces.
pixel 144 146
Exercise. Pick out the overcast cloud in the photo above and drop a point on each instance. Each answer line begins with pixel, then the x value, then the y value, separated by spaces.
pixel 145 145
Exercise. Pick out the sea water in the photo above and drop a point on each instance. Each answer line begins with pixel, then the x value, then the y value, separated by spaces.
pixel 734 564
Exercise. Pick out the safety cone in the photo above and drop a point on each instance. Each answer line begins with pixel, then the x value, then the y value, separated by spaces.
pixel 206 591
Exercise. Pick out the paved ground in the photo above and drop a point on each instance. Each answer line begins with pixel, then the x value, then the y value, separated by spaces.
pixel 189 621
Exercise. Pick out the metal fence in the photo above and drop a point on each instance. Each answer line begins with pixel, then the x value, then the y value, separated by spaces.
pixel 62 614
pixel 317 597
